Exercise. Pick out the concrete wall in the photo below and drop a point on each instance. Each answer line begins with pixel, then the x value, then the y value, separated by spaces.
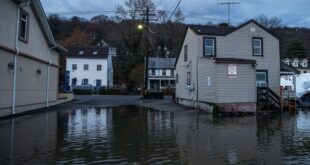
pixel 91 74
pixel 30 85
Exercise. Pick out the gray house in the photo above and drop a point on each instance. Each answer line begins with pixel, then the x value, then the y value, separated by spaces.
pixel 223 66
pixel 161 73
pixel 29 58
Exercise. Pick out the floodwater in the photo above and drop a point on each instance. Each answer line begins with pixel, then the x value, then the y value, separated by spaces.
pixel 134 135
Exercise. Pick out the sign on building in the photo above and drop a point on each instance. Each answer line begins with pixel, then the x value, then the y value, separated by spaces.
pixel 232 71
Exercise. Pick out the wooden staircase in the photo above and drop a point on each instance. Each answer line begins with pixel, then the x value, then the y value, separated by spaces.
pixel 267 100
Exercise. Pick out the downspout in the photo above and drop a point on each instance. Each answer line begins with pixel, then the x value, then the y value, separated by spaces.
pixel 48 74
pixel 16 54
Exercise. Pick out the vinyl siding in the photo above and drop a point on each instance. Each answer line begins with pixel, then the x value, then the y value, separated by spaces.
pixel 206 68
pixel 239 45
pixel 235 45
pixel 241 89
pixel 189 66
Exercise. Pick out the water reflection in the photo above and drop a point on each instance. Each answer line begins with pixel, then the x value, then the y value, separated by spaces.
pixel 125 135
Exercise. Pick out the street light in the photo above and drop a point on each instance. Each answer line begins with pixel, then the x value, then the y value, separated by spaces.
pixel 140 27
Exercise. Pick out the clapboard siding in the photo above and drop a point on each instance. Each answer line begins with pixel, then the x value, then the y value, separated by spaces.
pixel 206 68
pixel 237 44
pixel 182 67
pixel 240 89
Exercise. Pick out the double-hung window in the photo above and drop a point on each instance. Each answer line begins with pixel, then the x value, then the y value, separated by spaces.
pixel 99 67
pixel 74 66
pixel 257 44
pixel 85 81
pixel 209 46
pixel 23 26
pixel 153 72
pixel 85 66
pixel 164 72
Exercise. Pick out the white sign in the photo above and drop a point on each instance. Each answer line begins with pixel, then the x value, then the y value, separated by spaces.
pixel 232 71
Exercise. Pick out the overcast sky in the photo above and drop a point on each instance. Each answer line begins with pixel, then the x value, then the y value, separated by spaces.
pixel 291 12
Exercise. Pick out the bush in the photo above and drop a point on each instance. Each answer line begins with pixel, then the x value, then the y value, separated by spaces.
pixel 82 91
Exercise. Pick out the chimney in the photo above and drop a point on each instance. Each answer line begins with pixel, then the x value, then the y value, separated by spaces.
pixel 223 25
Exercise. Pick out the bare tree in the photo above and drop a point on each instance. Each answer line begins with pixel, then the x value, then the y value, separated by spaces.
pixel 272 22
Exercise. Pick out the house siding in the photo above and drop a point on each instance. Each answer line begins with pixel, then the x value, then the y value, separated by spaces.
pixel 224 90
pixel 239 45
pixel 241 89
pixel 30 85
pixel 183 67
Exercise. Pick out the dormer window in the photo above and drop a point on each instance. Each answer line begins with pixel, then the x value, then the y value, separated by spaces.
pixel 304 64
pixel 295 63
pixel 209 47
pixel 81 52
pixel 287 62
pixel 95 53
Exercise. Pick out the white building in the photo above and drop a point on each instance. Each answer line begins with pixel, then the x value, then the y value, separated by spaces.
pixel 161 73
pixel 90 65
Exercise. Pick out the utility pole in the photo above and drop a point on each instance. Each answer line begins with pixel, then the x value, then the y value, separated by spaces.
pixel 147 42
pixel 228 3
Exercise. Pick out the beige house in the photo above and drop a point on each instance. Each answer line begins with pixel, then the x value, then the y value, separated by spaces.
pixel 222 66
pixel 29 58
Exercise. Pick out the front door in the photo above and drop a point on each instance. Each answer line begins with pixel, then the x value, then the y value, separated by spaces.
pixel 262 78
pixel 98 83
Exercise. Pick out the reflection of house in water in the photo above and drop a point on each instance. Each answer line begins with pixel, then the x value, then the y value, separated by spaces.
pixel 204 140
pixel 29 139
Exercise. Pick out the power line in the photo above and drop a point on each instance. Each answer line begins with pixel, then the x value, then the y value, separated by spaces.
pixel 175 9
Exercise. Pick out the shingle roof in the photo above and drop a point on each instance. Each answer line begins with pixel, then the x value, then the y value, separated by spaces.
pixel 211 30
pixel 88 52
pixel 164 63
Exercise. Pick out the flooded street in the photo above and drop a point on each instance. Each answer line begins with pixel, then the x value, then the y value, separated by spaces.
pixel 131 134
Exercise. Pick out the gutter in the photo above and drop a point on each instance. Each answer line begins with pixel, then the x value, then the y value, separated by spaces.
pixel 48 74
pixel 16 54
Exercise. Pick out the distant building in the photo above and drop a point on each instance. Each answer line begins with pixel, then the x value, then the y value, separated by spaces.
pixel 221 67
pixel 29 58
pixel 301 64
pixel 90 65
pixel 161 73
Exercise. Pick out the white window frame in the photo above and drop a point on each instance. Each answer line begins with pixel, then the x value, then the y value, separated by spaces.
pixel 213 46
pixel 26 20
pixel 260 47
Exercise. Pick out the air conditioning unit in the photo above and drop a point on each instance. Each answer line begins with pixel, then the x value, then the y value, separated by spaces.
pixel 261 84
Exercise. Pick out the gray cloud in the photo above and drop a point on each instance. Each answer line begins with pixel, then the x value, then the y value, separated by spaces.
pixel 292 13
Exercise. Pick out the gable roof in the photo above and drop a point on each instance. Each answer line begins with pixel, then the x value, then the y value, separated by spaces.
pixel 88 52
pixel 287 68
pixel 219 31
pixel 223 31
pixel 42 20
pixel 161 63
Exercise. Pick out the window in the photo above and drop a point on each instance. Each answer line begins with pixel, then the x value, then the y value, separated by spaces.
pixel 98 83
pixel 164 72
pixel 172 72
pixel 185 53
pixel 81 52
pixel 257 46
pixel 210 46
pixel 262 78
pixel 304 63
pixel 85 66
pixel 74 66
pixel 99 67
pixel 295 63
pixel 188 78
pixel 73 81
pixel 153 72
pixel 95 53
pixel 85 81
pixel 24 26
